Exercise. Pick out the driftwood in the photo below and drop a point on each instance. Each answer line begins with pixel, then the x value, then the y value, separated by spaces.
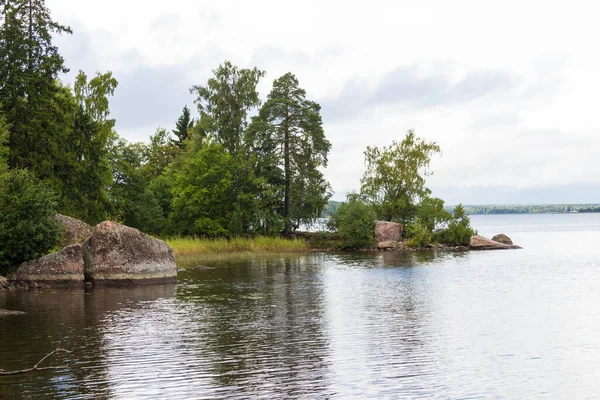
pixel 37 367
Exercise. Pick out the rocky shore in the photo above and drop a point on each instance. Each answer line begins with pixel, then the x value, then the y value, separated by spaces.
pixel 107 254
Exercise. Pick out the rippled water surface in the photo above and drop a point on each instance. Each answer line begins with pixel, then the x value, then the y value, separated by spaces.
pixel 506 324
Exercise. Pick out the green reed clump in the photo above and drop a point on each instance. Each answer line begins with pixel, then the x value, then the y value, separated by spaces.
pixel 186 246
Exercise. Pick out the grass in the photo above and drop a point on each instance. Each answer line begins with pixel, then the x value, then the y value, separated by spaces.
pixel 194 246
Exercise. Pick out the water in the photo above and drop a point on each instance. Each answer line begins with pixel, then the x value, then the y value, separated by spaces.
pixel 505 324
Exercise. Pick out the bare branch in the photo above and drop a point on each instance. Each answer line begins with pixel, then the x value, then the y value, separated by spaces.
pixel 37 367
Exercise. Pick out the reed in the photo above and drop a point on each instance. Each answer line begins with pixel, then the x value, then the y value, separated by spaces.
pixel 192 246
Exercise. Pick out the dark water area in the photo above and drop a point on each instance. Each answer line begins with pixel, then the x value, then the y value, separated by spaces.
pixel 504 324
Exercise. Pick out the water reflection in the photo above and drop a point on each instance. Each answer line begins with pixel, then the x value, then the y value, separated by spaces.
pixel 522 324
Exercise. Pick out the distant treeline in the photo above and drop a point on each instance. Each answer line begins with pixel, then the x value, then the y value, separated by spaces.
pixel 531 209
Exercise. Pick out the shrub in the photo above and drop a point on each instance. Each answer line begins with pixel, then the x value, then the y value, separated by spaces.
pixel 459 231
pixel 419 235
pixel 27 227
pixel 354 221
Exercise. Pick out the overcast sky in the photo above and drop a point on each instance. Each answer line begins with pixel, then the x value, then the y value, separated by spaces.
pixel 509 89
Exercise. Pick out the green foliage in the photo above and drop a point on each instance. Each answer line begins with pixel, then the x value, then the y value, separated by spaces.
pixel 27 227
pixel 133 203
pixel 394 180
pixel 224 104
pixel 287 137
pixel 459 231
pixel 431 213
pixel 29 67
pixel 202 188
pixel 419 235
pixel 4 151
pixel 354 221
pixel 532 209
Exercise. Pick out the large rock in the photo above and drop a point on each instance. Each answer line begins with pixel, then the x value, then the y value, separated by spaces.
pixel 64 268
pixel 118 254
pixel 386 231
pixel 74 230
pixel 502 238
pixel 482 243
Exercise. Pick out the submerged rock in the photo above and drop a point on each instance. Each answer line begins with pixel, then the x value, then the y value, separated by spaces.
pixel 502 238
pixel 64 268
pixel 481 243
pixel 118 254
pixel 74 230
pixel 5 313
pixel 386 231
pixel 202 268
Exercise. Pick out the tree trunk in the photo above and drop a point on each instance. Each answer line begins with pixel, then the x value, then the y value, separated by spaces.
pixel 288 181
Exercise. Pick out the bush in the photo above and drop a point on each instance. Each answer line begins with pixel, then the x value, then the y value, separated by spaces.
pixel 354 221
pixel 27 226
pixel 459 231
pixel 419 235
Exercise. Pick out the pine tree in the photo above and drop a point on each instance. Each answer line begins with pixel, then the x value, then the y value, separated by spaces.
pixel 289 132
pixel 182 127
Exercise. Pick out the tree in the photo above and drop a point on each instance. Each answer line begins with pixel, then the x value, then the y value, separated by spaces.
pixel 182 127
pixel 27 227
pixel 354 221
pixel 431 213
pixel 3 148
pixel 288 131
pixel 29 67
pixel 394 179
pixel 224 104
pixel 203 191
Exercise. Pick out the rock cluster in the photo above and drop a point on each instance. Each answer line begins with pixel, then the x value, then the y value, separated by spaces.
pixel 481 243
pixel 109 253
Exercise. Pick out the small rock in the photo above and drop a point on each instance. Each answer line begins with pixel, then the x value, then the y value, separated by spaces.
pixel 202 268
pixel 385 246
pixel 502 238
pixel 5 313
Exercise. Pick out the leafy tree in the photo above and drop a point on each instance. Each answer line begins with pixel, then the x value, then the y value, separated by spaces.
pixel 354 221
pixel 133 203
pixel 27 227
pixel 202 188
pixel 224 104
pixel 182 127
pixel 288 131
pixel 431 213
pixel 394 180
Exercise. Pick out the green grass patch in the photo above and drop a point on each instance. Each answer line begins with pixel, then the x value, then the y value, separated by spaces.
pixel 193 246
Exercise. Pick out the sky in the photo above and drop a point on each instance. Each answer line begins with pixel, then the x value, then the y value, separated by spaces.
pixel 508 89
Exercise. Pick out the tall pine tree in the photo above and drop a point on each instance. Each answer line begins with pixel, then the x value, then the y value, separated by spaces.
pixel 289 130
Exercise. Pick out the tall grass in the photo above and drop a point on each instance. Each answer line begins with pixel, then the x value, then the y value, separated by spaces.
pixel 193 246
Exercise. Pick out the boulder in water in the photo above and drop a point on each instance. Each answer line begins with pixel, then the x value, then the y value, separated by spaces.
pixel 481 243
pixel 502 238
pixel 64 268
pixel 118 254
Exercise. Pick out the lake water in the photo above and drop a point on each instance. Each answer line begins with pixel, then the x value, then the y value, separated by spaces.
pixel 506 324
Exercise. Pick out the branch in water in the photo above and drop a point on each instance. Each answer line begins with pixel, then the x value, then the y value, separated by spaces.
pixel 37 367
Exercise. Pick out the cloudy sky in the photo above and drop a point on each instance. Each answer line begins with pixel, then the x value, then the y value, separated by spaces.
pixel 509 89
